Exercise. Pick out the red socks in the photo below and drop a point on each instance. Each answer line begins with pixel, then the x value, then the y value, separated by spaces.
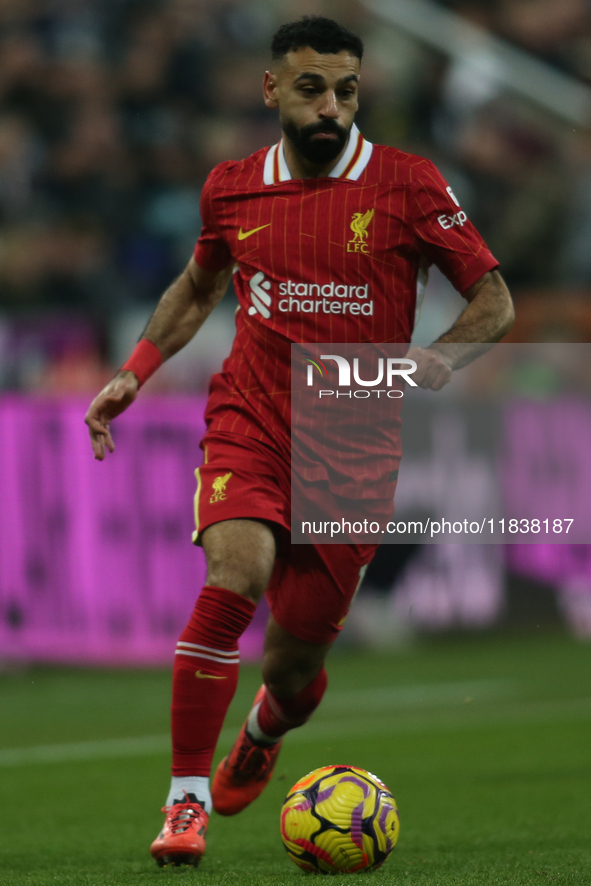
pixel 276 717
pixel 204 680
pixel 205 676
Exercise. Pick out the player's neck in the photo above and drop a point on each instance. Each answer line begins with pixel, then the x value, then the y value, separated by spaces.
pixel 299 167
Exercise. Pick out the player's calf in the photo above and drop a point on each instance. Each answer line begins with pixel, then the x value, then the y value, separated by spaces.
pixel 247 769
pixel 276 716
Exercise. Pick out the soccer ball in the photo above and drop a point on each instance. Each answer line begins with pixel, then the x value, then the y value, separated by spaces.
pixel 339 819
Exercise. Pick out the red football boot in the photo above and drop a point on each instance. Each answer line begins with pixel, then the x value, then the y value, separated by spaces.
pixel 182 838
pixel 242 775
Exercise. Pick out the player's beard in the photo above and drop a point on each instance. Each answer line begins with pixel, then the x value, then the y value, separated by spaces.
pixel 319 151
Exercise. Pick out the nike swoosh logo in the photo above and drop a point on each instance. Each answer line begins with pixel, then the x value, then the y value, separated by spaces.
pixel 242 235
pixel 203 676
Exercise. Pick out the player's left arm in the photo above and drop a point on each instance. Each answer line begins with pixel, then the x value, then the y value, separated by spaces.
pixel 487 318
pixel 446 236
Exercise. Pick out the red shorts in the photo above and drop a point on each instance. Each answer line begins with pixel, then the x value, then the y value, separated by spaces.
pixel 312 586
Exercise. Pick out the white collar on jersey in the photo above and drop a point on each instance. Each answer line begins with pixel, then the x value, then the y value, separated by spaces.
pixel 351 164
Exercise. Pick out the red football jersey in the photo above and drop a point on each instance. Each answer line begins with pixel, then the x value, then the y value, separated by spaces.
pixel 331 259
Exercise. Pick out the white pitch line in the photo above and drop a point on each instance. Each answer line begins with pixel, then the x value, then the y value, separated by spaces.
pixel 85 750
pixel 340 701
pixel 101 749
pixel 424 695
pixel 465 716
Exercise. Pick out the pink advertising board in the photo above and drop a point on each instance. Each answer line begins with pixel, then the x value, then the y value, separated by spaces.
pixel 96 560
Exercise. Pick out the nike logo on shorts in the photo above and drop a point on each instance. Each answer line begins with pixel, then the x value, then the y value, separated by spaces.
pixel 242 235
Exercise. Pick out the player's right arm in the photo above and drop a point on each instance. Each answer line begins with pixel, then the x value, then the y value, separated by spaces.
pixel 180 313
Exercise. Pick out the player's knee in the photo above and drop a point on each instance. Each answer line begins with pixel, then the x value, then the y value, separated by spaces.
pixel 247 578
pixel 240 555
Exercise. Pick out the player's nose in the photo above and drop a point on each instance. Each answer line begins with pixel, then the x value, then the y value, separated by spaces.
pixel 329 106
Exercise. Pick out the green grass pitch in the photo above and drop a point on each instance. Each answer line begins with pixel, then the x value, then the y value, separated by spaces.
pixel 486 745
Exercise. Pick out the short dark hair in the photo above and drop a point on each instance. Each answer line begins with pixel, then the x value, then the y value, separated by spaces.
pixel 319 33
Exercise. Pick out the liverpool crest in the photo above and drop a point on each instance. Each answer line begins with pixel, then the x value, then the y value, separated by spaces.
pixel 219 487
pixel 359 225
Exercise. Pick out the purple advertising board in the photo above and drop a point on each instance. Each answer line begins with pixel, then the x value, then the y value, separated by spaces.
pixel 96 560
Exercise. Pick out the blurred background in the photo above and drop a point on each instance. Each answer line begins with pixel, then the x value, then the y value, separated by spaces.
pixel 111 116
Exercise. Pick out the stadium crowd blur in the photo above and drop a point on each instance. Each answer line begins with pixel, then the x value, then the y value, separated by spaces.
pixel 112 113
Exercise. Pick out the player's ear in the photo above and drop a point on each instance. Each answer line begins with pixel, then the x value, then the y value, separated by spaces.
pixel 270 89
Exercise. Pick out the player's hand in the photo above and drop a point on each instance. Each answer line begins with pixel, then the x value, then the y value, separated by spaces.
pixel 433 368
pixel 111 402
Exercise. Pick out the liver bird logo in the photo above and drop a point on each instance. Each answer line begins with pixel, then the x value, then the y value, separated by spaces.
pixel 219 487
pixel 359 225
